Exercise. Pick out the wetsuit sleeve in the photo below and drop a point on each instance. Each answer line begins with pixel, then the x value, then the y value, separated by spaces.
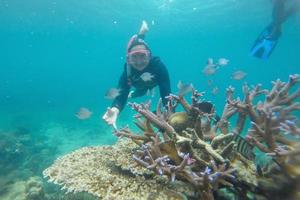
pixel 120 101
pixel 163 82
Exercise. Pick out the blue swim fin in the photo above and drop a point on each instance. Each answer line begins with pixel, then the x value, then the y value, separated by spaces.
pixel 265 43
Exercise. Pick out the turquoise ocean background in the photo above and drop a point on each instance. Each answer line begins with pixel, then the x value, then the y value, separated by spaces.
pixel 58 56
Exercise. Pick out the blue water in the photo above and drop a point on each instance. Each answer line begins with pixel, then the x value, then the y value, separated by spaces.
pixel 58 56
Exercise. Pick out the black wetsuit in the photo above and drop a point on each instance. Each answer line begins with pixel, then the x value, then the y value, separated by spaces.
pixel 160 79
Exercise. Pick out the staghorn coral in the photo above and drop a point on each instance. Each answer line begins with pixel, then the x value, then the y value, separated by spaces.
pixel 274 131
pixel 195 149
pixel 272 116
pixel 187 158
pixel 271 120
pixel 264 133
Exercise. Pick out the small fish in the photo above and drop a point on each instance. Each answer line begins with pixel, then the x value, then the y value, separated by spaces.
pixel 244 147
pixel 238 75
pixel 166 4
pixel 184 88
pixel 146 76
pixel 112 93
pixel 215 90
pixel 83 113
pixel 210 68
pixel 223 61
pixel 205 106
pixel 209 83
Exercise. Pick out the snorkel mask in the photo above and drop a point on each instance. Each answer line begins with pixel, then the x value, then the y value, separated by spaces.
pixel 137 58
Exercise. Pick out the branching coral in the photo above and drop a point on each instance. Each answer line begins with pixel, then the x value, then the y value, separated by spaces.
pixel 193 147
pixel 273 117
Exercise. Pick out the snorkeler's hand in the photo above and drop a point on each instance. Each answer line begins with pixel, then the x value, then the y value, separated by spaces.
pixel 144 28
pixel 110 116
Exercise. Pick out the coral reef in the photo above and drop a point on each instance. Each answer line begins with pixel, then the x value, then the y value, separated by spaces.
pixel 19 148
pixel 23 154
pixel 194 154
pixel 105 173
pixel 31 189
pixel 12 148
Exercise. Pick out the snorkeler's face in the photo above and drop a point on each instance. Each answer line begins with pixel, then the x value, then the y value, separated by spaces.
pixel 139 57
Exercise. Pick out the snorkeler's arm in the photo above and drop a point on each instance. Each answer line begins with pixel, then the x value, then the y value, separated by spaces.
pixel 120 101
pixel 163 81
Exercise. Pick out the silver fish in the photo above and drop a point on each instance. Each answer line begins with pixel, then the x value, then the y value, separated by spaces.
pixel 146 76
pixel 166 4
pixel 184 88
pixel 238 75
pixel 83 113
pixel 223 61
pixel 112 93
pixel 210 68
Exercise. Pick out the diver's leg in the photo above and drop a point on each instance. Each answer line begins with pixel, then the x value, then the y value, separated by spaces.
pixel 293 9
pixel 278 12
pixel 267 40
pixel 278 17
